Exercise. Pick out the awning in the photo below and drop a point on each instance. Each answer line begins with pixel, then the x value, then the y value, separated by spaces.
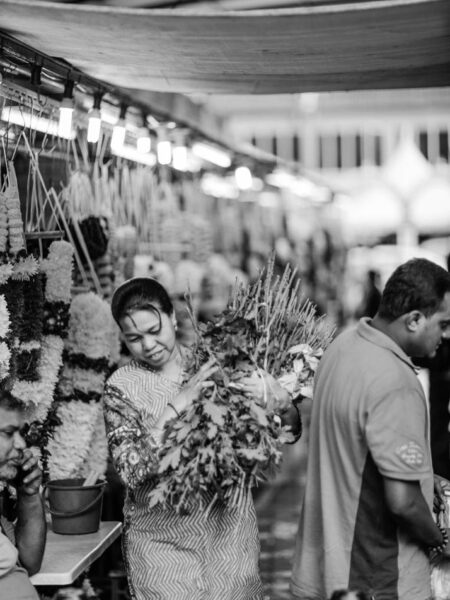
pixel 366 45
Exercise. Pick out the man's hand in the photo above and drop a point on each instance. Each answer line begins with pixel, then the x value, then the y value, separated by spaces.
pixel 440 486
pixel 30 475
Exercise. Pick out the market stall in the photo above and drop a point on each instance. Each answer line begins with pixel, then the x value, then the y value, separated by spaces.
pixel 101 181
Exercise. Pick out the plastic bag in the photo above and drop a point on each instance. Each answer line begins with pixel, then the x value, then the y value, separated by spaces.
pixel 440 579
pixel 440 566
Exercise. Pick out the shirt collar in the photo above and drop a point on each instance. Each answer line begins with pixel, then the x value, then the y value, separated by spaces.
pixel 377 337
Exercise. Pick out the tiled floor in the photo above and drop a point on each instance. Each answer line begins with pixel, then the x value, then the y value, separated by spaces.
pixel 278 507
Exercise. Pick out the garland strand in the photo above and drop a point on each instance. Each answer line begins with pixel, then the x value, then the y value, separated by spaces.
pixel 79 444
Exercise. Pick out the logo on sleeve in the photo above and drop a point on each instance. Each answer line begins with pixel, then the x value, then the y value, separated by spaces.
pixel 411 454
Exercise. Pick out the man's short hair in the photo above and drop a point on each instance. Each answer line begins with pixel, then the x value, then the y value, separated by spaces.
pixel 10 402
pixel 418 284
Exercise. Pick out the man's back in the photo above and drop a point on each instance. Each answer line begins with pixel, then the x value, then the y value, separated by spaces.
pixel 369 421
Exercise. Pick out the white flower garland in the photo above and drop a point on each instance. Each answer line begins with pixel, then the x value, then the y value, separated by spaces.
pixel 4 317
pixel 3 223
pixel 25 268
pixel 58 269
pixel 72 441
pixel 16 236
pixel 38 395
pixel 90 324
pixel 79 444
pixel 5 353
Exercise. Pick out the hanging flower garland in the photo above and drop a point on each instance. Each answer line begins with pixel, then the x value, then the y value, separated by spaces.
pixel 38 395
pixel 20 349
pixel 5 325
pixel 79 444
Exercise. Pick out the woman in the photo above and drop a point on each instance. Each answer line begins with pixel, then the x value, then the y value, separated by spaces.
pixel 168 555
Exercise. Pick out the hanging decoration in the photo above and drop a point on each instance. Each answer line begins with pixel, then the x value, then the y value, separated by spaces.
pixel 79 444
pixel 39 395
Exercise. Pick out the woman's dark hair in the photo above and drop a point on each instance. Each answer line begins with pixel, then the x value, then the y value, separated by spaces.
pixel 418 284
pixel 140 293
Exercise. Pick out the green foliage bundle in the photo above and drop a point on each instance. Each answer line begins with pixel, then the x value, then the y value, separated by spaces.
pixel 226 442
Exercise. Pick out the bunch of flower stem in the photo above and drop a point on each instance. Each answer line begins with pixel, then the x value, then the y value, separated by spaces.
pixel 277 318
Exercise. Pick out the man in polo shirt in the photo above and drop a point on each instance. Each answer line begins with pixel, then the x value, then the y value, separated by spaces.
pixel 366 521
pixel 22 541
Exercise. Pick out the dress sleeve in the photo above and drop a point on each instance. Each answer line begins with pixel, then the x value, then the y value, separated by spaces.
pixel 396 435
pixel 133 450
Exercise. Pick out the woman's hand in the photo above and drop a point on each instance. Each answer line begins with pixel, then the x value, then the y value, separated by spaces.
pixel 193 387
pixel 266 390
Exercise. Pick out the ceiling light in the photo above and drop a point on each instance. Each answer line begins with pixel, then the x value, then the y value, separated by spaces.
pixel 23 118
pixel 144 143
pixel 119 130
pixel 212 154
pixel 244 179
pixel 180 158
pixel 95 120
pixel 66 111
pixel 163 148
pixel 131 153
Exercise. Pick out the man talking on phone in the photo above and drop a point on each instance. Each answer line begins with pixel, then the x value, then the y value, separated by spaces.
pixel 22 534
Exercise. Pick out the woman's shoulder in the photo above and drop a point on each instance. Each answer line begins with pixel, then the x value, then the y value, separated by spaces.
pixel 125 375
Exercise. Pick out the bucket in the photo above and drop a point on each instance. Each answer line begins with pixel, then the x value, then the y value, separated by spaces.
pixel 75 508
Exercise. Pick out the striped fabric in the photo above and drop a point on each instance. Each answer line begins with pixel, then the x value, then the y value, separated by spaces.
pixel 171 556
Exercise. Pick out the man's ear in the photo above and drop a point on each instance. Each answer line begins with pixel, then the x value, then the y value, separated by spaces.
pixel 413 320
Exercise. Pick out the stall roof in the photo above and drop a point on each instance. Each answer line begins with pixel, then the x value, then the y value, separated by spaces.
pixel 366 45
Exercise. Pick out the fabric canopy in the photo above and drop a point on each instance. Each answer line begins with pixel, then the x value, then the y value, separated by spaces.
pixel 366 45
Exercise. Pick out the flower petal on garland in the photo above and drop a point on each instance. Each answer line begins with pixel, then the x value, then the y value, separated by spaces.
pixel 90 326
pixel 58 268
pixel 25 268
pixel 71 443
pixel 4 317
pixel 84 380
pixel 38 395
pixel 5 272
pixel 97 459
pixel 5 357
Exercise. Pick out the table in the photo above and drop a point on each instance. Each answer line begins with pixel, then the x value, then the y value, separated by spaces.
pixel 67 556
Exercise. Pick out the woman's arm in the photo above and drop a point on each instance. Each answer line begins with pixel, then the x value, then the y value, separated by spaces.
pixel 132 449
pixel 186 396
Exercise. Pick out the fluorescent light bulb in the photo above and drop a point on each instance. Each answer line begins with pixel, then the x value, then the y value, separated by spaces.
pixel 65 118
pixel 180 158
pixel 118 134
pixel 144 142
pixel 164 152
pixel 23 118
pixel 94 126
pixel 244 179
pixel 212 154
pixel 131 153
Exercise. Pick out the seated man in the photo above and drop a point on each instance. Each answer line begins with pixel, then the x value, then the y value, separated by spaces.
pixel 22 543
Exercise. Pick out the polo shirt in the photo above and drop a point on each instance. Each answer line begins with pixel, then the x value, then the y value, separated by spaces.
pixel 369 420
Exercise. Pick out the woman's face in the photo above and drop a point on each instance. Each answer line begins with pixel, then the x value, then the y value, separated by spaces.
pixel 149 336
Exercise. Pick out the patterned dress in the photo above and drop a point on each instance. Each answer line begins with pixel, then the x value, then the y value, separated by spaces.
pixel 170 556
